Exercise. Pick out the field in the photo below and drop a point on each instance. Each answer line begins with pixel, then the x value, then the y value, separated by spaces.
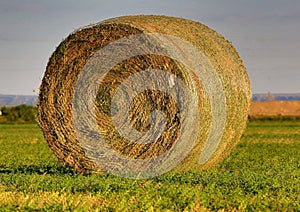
pixel 263 173
pixel 276 109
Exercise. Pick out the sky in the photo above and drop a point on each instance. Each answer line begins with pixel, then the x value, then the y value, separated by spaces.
pixel 266 34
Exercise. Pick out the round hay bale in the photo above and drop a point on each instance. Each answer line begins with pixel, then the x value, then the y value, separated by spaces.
pixel 138 96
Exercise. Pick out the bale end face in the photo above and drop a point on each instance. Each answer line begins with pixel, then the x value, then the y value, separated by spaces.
pixel 137 96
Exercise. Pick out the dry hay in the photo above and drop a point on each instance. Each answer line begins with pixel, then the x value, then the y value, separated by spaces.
pixel 57 90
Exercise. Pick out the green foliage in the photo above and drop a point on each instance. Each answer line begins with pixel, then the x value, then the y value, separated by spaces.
pixel 19 114
pixel 262 174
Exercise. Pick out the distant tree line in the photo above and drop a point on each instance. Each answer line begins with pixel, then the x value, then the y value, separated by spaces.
pixel 18 114
pixel 267 97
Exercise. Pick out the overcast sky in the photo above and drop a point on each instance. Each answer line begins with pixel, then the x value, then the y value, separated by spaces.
pixel 266 33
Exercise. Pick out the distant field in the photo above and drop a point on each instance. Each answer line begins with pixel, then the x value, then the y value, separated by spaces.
pixel 275 109
pixel 263 173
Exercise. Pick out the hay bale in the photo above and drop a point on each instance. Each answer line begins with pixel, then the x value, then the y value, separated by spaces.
pixel 104 86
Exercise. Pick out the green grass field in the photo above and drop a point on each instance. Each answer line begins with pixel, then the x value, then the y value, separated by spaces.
pixel 262 174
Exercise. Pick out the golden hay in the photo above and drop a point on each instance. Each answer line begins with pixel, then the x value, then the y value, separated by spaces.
pixel 56 99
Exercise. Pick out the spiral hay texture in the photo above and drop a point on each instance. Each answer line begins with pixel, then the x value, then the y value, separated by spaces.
pixel 184 87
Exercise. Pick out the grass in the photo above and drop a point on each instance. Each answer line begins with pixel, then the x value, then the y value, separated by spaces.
pixel 263 173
